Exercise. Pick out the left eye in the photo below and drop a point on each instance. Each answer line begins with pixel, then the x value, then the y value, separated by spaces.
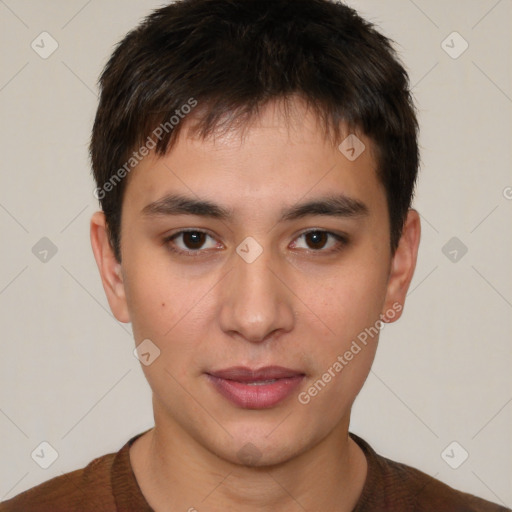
pixel 318 240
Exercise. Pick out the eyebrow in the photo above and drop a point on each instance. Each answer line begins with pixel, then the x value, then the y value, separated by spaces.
pixel 338 205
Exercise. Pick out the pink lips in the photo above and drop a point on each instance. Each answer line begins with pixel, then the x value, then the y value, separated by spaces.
pixel 255 389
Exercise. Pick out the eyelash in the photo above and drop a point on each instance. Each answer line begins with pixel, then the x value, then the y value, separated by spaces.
pixel 341 239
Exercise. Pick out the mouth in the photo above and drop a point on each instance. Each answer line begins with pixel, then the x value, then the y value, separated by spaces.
pixel 261 388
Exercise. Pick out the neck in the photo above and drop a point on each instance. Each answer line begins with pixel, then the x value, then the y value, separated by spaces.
pixel 175 472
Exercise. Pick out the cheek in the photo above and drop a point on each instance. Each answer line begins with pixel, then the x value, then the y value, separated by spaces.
pixel 342 360
pixel 349 308
pixel 352 301
pixel 170 308
pixel 148 301
pixel 157 298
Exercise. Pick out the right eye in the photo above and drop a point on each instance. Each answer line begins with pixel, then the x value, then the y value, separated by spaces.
pixel 189 242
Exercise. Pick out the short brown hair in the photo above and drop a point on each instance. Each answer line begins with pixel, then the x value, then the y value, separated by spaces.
pixel 232 57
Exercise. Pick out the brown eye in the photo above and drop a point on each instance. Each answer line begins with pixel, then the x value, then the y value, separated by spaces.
pixel 321 241
pixel 193 239
pixel 191 242
pixel 317 239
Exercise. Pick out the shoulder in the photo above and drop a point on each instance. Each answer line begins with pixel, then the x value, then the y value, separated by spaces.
pixel 69 492
pixel 427 493
pixel 398 487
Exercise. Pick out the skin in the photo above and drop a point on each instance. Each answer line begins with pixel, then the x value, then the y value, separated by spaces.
pixel 296 305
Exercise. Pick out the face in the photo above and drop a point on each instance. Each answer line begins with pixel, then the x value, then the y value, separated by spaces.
pixel 262 285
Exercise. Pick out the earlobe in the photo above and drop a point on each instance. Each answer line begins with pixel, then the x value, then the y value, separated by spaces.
pixel 110 269
pixel 402 268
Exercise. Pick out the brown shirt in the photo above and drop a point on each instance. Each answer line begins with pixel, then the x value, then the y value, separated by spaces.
pixel 108 484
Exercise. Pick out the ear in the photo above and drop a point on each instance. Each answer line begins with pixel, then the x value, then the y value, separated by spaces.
pixel 109 267
pixel 403 264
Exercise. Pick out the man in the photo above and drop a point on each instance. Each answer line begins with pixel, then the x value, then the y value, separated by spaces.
pixel 255 163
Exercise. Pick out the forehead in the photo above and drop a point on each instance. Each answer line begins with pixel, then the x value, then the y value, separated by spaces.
pixel 277 158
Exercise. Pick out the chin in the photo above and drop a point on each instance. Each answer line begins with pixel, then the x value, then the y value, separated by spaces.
pixel 256 448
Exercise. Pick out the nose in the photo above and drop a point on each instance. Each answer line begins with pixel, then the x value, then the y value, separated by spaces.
pixel 255 303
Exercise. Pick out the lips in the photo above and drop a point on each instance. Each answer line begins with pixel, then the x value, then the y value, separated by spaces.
pixel 261 388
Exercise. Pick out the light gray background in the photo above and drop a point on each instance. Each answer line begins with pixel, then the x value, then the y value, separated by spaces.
pixel 442 373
